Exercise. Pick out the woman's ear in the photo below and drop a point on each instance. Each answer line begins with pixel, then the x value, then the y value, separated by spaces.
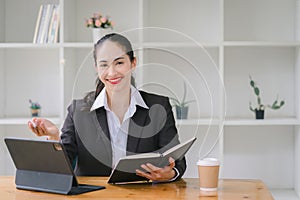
pixel 133 63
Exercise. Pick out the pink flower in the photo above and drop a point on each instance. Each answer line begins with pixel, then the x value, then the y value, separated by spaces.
pixel 112 23
pixel 90 22
pixel 103 19
pixel 97 23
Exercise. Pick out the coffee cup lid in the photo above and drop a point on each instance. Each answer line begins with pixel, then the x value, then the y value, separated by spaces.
pixel 208 162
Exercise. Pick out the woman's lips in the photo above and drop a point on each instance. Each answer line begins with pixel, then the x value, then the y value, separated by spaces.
pixel 114 81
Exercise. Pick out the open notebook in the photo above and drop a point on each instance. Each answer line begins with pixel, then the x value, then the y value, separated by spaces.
pixel 44 166
pixel 124 171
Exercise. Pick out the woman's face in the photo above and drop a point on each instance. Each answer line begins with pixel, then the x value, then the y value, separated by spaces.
pixel 114 66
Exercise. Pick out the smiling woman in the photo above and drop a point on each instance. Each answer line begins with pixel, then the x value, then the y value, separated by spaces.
pixel 113 50
pixel 116 119
pixel 114 63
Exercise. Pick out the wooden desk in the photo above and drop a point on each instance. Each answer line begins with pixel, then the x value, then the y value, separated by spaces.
pixel 229 189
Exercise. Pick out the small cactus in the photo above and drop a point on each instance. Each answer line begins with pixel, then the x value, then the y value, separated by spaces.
pixel 34 105
pixel 276 105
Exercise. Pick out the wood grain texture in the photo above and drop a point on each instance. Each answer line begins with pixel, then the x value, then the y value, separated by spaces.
pixel 229 189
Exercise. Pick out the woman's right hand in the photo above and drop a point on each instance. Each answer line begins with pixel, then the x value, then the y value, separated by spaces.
pixel 44 127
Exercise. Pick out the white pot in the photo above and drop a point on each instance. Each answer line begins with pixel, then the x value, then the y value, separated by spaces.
pixel 98 33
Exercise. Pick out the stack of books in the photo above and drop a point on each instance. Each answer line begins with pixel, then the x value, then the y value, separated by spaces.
pixel 47 24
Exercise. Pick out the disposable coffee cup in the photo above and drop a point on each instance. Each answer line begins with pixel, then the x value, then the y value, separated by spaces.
pixel 208 171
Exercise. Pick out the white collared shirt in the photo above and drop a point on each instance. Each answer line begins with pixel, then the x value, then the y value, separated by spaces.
pixel 119 131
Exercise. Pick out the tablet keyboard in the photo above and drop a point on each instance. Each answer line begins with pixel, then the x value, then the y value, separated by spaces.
pixel 82 188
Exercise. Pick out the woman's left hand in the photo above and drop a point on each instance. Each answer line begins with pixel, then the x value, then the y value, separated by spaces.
pixel 156 173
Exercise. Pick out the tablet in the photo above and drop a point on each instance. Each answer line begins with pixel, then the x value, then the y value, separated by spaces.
pixel 44 166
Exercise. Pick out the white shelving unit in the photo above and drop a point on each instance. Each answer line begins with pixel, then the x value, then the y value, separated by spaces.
pixel 213 45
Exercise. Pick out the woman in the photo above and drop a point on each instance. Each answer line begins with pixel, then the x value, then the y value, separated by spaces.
pixel 116 120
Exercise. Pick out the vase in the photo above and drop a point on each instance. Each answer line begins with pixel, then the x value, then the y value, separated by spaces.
pixel 259 114
pixel 35 112
pixel 182 112
pixel 98 33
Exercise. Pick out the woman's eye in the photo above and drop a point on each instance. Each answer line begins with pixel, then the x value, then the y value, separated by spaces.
pixel 103 65
pixel 120 63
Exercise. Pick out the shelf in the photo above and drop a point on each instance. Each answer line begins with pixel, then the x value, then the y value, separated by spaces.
pixel 240 38
pixel 254 122
pixel 28 45
pixel 146 44
pixel 23 121
pixel 159 44
pixel 78 45
pixel 183 122
pixel 179 44
pixel 187 122
pixel 260 44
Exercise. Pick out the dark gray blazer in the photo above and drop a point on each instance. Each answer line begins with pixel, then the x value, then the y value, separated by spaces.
pixel 86 137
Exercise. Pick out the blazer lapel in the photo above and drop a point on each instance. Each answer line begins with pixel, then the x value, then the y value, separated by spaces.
pixel 135 130
pixel 100 121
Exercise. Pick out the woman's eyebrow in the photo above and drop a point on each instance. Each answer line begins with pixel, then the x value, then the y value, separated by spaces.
pixel 102 61
pixel 119 58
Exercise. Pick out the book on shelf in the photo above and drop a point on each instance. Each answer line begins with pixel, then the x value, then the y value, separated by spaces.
pixel 42 24
pixel 54 26
pixel 38 21
pixel 124 171
pixel 47 24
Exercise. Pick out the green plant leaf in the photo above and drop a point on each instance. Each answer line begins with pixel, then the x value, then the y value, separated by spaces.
pixel 256 91
pixel 252 83
pixel 275 102
pixel 176 101
pixel 258 101
pixel 183 102
pixel 187 102
pixel 250 107
pixel 184 92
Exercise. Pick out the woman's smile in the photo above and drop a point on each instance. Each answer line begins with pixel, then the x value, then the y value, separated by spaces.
pixel 114 81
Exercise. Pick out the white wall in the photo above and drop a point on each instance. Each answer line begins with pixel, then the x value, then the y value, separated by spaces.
pixel 206 15
pixel 2 37
pixel 297 160
pixel 273 70
pixel 40 76
pixel 169 68
pixel 75 29
pixel 2 19
pixel 297 99
pixel 260 152
pixel 277 23
pixel 297 106
pixel 2 82
pixel 199 148
pixel 3 155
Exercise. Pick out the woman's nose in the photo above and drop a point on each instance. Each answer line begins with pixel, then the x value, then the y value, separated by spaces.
pixel 111 69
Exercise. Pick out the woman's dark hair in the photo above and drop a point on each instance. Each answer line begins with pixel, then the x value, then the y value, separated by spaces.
pixel 125 44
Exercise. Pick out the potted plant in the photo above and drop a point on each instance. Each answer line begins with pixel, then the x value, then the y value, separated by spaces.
pixel 260 109
pixel 98 22
pixel 181 106
pixel 35 108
